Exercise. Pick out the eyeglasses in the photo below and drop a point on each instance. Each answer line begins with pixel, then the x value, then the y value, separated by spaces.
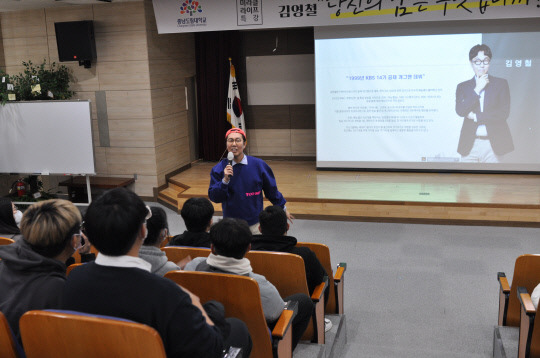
pixel 232 140
pixel 485 62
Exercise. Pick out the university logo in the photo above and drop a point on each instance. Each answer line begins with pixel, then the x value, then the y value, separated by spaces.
pixel 191 7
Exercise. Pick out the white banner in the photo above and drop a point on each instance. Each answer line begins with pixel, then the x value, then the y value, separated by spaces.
pixel 215 15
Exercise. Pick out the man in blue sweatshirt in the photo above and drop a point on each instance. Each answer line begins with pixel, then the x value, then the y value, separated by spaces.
pixel 240 190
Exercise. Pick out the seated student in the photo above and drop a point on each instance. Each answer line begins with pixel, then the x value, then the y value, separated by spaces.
pixel 119 284
pixel 158 229
pixel 32 270
pixel 197 214
pixel 10 219
pixel 231 240
pixel 274 227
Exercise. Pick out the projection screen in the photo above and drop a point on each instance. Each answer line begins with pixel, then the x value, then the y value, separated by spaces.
pixel 405 99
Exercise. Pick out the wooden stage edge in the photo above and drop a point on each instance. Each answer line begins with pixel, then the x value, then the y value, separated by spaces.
pixel 424 198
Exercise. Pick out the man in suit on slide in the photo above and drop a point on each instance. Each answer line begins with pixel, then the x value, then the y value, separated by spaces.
pixel 484 104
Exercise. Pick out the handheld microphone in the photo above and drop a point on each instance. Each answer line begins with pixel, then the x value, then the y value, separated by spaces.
pixel 230 158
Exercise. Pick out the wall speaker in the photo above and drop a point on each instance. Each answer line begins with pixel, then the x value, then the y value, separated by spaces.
pixel 76 42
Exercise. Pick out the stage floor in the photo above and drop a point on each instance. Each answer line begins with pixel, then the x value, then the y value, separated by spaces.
pixel 499 199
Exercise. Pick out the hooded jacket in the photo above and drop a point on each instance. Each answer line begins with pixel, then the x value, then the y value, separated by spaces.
pixel 158 259
pixel 188 238
pixel 28 281
pixel 314 270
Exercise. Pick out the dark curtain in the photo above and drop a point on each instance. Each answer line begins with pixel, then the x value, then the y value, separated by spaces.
pixel 213 50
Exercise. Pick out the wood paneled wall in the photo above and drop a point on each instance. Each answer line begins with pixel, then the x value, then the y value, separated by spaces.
pixel 171 59
pixel 279 130
pixel 141 72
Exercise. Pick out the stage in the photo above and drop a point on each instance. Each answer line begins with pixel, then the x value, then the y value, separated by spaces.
pixel 444 198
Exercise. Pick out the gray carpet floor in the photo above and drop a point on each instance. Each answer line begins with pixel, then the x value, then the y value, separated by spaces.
pixel 415 290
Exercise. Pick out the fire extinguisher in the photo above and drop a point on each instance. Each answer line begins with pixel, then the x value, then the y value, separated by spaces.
pixel 21 187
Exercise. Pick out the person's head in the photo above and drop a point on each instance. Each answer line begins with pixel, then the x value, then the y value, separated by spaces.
pixel 235 139
pixel 115 221
pixel 480 57
pixel 273 221
pixel 158 227
pixel 52 228
pixel 230 238
pixel 197 214
pixel 8 217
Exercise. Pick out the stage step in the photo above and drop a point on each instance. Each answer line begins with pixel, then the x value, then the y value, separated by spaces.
pixel 335 339
pixel 177 186
pixel 173 196
pixel 505 342
pixel 169 196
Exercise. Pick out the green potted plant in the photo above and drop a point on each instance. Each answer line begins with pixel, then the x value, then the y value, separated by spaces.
pixel 40 82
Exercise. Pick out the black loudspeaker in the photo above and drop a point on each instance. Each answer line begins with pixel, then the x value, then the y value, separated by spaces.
pixel 76 42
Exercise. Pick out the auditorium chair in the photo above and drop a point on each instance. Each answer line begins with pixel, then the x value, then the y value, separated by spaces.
pixel 529 333
pixel 71 267
pixel 241 298
pixel 9 347
pixel 6 241
pixel 336 281
pixel 522 341
pixel 527 275
pixel 178 253
pixel 68 334
pixel 166 241
pixel 514 307
pixel 288 273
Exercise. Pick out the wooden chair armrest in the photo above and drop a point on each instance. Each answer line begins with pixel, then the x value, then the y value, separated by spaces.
pixel 525 300
pixel 341 268
pixel 285 320
pixel 318 292
pixel 503 282
pixel 504 295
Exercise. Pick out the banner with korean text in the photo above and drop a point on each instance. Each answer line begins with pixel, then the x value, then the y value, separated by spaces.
pixel 210 15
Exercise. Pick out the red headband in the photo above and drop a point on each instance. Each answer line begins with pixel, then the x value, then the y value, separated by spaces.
pixel 235 130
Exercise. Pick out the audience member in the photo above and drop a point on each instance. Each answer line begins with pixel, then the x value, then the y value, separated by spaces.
pixel 32 270
pixel 274 227
pixel 231 240
pixel 158 229
pixel 197 214
pixel 120 284
pixel 10 219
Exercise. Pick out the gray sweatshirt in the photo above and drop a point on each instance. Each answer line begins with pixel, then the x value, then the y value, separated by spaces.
pixel 157 258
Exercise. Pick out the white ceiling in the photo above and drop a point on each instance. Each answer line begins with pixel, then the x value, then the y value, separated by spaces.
pixel 14 5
